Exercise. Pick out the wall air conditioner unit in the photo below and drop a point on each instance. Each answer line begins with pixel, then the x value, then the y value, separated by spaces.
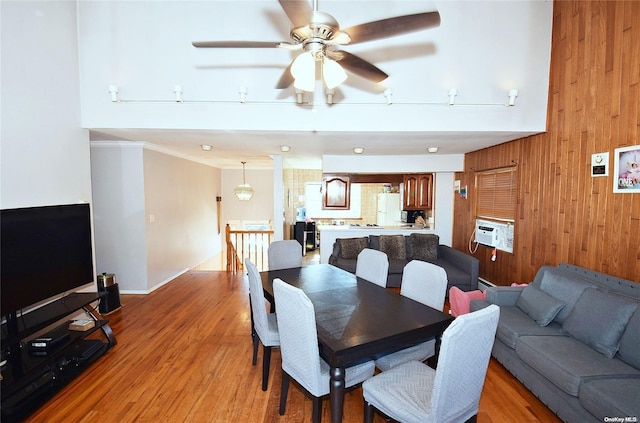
pixel 487 233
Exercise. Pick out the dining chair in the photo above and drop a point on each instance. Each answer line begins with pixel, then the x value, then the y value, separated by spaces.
pixel 373 265
pixel 425 283
pixel 265 328
pixel 284 254
pixel 415 393
pixel 299 349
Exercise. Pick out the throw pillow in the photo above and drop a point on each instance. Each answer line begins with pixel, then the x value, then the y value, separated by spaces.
pixel 459 300
pixel 351 247
pixel 424 246
pixel 539 305
pixel 394 246
pixel 566 288
pixel 599 319
pixel 630 341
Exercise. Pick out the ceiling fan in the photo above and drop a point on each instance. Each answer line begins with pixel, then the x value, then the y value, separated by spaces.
pixel 319 35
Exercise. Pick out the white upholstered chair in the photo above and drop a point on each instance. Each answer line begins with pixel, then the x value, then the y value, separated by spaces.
pixel 415 393
pixel 299 349
pixel 284 254
pixel 265 328
pixel 426 283
pixel 373 265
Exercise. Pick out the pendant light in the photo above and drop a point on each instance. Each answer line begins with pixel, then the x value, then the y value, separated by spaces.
pixel 244 192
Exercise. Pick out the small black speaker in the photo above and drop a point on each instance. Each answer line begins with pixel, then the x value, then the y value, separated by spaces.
pixel 111 301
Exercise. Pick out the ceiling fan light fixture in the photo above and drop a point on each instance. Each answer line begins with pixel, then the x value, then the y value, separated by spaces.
pixel 332 73
pixel 303 70
pixel 244 191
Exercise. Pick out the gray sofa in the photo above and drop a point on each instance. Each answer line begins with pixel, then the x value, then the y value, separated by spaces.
pixel 462 269
pixel 572 337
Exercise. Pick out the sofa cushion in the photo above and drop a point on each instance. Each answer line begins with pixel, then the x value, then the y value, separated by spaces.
pixel 539 305
pixel 564 287
pixel 455 275
pixel 599 319
pixel 613 397
pixel 394 246
pixel 567 362
pixel 424 246
pixel 397 266
pixel 514 323
pixel 351 247
pixel 629 350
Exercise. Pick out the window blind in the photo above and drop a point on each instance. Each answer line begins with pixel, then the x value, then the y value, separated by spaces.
pixel 496 194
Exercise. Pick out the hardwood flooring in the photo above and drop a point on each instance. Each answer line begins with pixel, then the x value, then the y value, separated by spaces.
pixel 184 355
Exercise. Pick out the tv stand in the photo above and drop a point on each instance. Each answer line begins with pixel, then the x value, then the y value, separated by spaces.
pixel 28 379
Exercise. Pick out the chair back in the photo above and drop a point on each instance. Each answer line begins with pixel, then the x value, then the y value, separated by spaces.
pixel 462 365
pixel 284 254
pixel 298 336
pixel 424 282
pixel 373 265
pixel 256 293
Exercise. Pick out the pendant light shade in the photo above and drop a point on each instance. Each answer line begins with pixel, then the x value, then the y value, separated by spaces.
pixel 244 191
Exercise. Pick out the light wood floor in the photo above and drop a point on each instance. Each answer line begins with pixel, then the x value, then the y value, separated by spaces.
pixel 184 355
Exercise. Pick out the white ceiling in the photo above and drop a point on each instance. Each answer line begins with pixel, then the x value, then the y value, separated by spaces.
pixel 482 48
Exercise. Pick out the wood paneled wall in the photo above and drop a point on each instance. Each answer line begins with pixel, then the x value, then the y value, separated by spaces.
pixel 564 214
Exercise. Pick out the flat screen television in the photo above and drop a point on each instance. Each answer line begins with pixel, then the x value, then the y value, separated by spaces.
pixel 44 252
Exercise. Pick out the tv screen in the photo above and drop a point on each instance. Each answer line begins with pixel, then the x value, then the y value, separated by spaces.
pixel 45 251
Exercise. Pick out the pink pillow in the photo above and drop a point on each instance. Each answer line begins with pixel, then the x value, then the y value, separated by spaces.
pixel 519 284
pixel 459 300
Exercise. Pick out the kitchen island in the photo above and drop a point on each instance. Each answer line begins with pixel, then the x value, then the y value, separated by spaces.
pixel 329 234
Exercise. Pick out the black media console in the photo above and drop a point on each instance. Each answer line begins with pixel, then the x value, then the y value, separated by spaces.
pixel 33 375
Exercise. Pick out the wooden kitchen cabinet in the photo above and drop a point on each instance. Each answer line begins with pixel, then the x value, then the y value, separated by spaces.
pixel 335 192
pixel 418 191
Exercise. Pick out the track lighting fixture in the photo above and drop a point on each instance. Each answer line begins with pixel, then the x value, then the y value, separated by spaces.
pixel 243 94
pixel 177 89
pixel 512 97
pixel 388 93
pixel 453 92
pixel 113 90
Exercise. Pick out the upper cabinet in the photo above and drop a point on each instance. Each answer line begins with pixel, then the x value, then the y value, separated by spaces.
pixel 335 192
pixel 418 191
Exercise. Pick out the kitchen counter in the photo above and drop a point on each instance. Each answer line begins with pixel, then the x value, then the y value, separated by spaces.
pixel 329 234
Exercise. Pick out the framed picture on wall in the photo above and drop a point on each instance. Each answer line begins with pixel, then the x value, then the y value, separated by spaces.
pixel 626 169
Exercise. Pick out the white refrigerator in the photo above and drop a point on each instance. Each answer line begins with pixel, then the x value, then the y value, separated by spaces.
pixel 388 209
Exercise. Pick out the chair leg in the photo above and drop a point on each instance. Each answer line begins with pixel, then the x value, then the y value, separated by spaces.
pixel 368 412
pixel 284 390
pixel 266 362
pixel 316 412
pixel 256 341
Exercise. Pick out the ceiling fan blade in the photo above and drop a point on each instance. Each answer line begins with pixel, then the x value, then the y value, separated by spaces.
pixel 392 26
pixel 240 44
pixel 286 79
pixel 299 12
pixel 358 66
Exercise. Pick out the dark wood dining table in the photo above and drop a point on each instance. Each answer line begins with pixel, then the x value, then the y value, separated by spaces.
pixel 357 320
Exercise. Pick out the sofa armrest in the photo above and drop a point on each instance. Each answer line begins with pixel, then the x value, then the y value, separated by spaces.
pixel 504 295
pixel 335 254
pixel 462 261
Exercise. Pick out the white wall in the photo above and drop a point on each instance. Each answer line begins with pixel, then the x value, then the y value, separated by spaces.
pixel 155 214
pixel 181 216
pixel 119 215
pixel 44 152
